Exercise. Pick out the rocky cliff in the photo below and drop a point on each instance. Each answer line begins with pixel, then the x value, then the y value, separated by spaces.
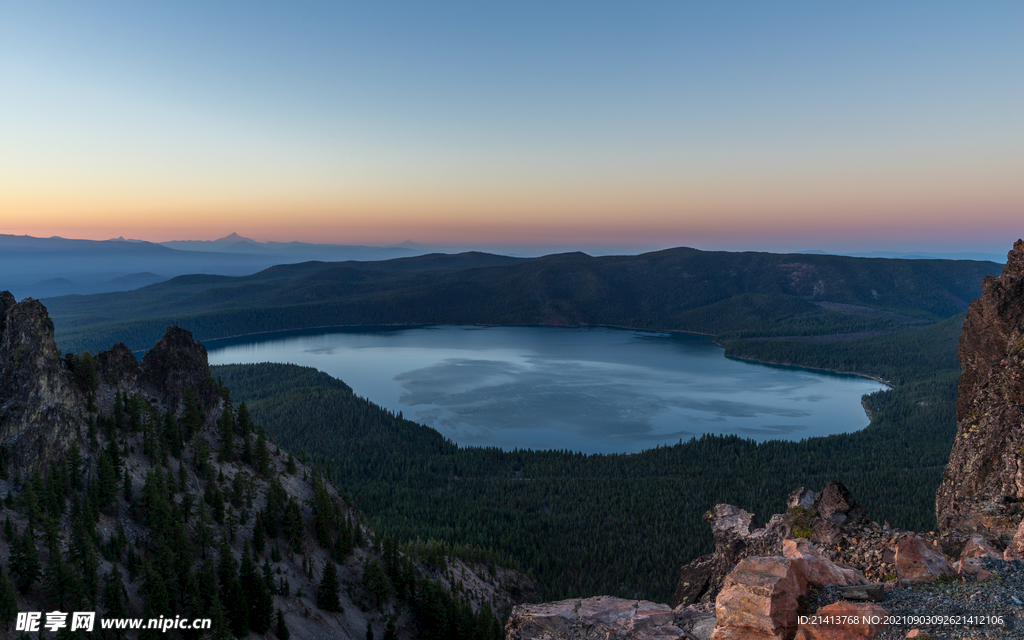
pixel 44 398
pixel 983 486
pixel 40 404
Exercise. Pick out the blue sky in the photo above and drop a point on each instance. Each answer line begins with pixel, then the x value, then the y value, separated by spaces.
pixel 879 125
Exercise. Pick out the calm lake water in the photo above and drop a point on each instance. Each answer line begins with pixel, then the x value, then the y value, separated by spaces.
pixel 591 390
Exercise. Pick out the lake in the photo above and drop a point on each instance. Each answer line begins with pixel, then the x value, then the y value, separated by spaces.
pixel 595 390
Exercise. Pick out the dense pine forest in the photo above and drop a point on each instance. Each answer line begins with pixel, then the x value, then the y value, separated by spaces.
pixel 599 524
pixel 742 294
pixel 604 524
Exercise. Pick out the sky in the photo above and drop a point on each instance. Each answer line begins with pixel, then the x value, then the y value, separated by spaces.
pixel 837 126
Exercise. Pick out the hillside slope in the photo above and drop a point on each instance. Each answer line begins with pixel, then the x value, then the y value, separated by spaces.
pixel 140 489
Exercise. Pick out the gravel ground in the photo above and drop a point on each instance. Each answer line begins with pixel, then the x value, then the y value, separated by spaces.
pixel 1001 595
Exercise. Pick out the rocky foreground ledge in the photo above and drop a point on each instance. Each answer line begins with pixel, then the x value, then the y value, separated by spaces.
pixel 822 571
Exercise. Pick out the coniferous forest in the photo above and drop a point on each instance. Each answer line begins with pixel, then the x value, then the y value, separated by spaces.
pixel 617 524
pixel 599 524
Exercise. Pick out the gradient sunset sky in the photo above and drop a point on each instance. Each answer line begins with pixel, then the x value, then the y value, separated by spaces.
pixel 736 125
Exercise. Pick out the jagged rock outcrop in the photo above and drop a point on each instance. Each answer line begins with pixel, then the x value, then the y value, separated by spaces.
pixel 824 517
pixel 175 366
pixel 735 539
pixel 983 486
pixel 40 403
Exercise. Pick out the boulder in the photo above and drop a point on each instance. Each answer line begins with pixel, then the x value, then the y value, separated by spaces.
pixel 917 561
pixel 855 621
pixel 601 617
pixel 1015 550
pixel 836 504
pixel 758 600
pixel 818 569
pixel 970 558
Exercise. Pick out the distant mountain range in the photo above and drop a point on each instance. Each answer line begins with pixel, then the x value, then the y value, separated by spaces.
pixel 716 292
pixel 47 267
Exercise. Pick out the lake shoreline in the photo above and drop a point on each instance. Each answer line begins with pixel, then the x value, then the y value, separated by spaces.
pixel 679 397
pixel 548 326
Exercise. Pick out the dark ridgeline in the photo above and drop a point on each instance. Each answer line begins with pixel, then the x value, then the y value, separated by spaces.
pixel 733 295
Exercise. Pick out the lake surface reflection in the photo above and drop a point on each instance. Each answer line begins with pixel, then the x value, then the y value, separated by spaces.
pixel 594 390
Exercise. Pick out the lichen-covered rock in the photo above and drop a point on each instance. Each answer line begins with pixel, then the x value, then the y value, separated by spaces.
pixel 983 486
pixel 758 600
pixel 845 621
pixel 601 617
pixel 917 561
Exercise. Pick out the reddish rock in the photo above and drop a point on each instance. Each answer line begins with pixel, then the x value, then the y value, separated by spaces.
pixel 735 539
pixel 970 558
pixel 818 569
pixel 917 561
pixel 1015 550
pixel 978 547
pixel 758 600
pixel 985 474
pixel 857 621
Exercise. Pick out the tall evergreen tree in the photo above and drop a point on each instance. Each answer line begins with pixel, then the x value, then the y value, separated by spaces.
pixel 8 601
pixel 258 598
pixel 327 592
pixel 281 632
pixel 25 561
pixel 226 434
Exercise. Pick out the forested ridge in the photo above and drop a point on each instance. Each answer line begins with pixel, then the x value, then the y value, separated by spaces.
pixel 756 294
pixel 594 524
pixel 604 524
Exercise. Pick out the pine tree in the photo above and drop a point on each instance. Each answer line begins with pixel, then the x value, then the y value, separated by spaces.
pixel 58 580
pixel 261 457
pixel 172 435
pixel 231 593
pixel 8 601
pixel 226 430
pixel 259 536
pixel 127 487
pixel 281 632
pixel 390 631
pixel 369 630
pixel 327 592
pixel 25 561
pixel 244 421
pixel 258 599
pixel 115 597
